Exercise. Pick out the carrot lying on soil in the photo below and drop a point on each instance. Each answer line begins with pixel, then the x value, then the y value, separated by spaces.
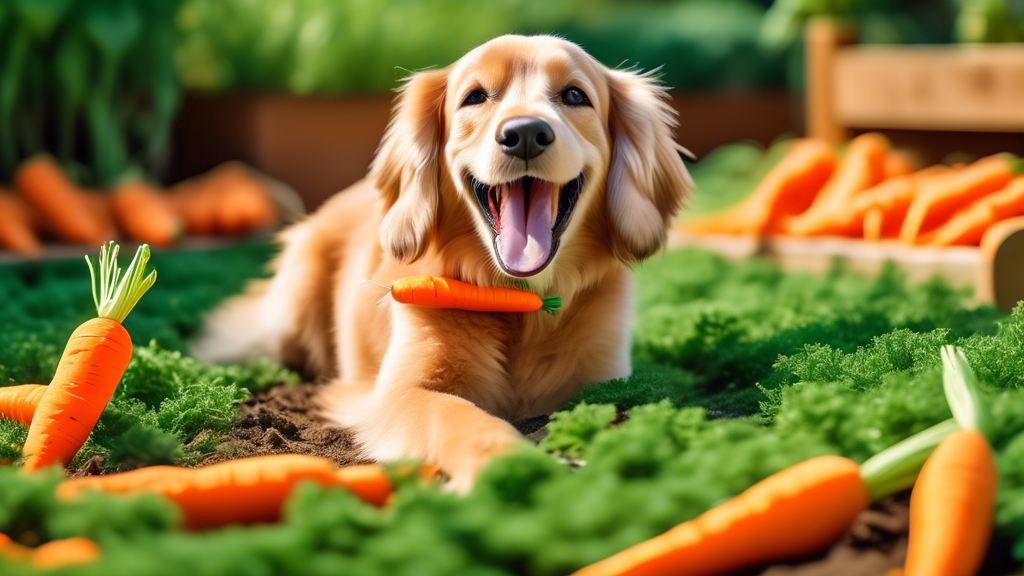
pixel 42 184
pixel 237 491
pixel 951 508
pixel 862 167
pixel 939 198
pixel 439 292
pixel 53 554
pixel 20 402
pixel 788 189
pixel 92 364
pixel 145 214
pixel 967 227
pixel 796 512
pixel 17 231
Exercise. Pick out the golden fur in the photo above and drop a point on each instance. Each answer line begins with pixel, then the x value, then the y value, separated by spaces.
pixel 439 385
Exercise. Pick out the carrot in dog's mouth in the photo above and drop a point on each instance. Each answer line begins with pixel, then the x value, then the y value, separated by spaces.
pixel 527 217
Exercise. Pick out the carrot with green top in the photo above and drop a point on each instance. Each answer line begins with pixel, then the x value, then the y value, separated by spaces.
pixel 796 512
pixel 92 364
pixel 237 491
pixel 951 507
pixel 439 292
pixel 20 402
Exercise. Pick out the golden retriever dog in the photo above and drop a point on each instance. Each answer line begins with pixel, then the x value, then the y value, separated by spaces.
pixel 526 163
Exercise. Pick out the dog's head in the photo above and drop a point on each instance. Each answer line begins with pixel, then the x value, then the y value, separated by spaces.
pixel 541 142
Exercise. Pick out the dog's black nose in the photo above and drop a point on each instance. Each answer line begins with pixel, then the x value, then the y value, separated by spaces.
pixel 525 137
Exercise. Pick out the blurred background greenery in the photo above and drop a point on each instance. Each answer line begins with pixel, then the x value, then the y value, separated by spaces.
pixel 98 82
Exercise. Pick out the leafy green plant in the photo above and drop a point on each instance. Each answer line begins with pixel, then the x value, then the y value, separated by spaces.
pixel 91 82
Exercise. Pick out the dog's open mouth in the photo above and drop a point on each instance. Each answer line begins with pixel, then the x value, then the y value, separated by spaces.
pixel 527 218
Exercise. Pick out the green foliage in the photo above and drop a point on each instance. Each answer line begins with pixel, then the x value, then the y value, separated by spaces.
pixel 851 366
pixel 569 432
pixel 95 72
pixel 165 399
pixel 358 46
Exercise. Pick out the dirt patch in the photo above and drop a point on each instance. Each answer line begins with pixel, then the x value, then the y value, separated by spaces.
pixel 283 421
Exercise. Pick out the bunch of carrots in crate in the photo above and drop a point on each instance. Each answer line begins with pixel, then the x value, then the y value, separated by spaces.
pixel 874 192
pixel 44 202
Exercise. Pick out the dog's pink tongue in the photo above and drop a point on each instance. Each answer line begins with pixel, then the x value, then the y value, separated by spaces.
pixel 524 239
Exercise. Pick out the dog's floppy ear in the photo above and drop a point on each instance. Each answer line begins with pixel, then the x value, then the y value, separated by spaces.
pixel 647 180
pixel 406 168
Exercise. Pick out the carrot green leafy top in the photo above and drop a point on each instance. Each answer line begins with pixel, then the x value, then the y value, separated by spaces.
pixel 114 295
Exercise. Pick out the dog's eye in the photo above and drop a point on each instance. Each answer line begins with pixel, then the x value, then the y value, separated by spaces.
pixel 575 97
pixel 475 97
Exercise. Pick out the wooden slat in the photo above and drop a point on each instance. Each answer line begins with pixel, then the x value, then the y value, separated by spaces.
pixel 973 88
pixel 993 270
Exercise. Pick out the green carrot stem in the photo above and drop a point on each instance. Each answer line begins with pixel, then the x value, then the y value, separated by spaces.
pixel 114 295
pixel 550 305
pixel 962 392
pixel 896 468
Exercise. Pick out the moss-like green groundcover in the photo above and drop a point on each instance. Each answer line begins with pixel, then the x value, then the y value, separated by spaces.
pixel 740 371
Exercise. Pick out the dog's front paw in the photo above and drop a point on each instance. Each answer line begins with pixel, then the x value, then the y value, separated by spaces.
pixel 468 455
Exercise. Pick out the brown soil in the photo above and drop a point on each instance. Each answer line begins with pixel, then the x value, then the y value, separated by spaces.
pixel 283 420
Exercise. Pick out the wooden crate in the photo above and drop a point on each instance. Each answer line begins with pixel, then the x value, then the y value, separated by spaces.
pixel 994 271
pixel 976 88
pixel 924 88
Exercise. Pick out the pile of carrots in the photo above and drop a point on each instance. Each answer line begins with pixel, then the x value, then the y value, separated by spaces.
pixel 44 202
pixel 874 192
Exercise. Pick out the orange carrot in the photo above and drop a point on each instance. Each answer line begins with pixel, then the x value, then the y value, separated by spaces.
pixel 237 491
pixel 438 292
pixel 967 227
pixel 951 508
pixel 888 201
pixel 952 505
pixel 17 232
pixel 788 189
pixel 197 210
pixel 862 167
pixel 20 402
pixel 796 512
pixel 42 184
pixel 67 552
pixel 874 224
pixel 145 215
pixel 92 364
pixel 899 163
pixel 53 554
pixel 938 199
pixel 242 204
